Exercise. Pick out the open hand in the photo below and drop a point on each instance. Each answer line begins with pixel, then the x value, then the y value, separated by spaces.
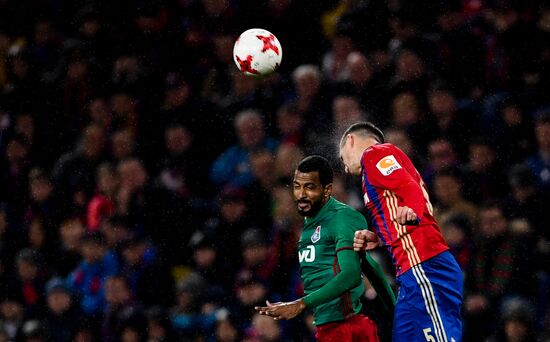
pixel 282 310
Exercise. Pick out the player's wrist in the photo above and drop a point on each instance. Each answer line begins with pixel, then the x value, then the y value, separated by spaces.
pixel 301 304
pixel 304 302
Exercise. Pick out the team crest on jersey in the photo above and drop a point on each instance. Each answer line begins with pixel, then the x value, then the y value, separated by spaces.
pixel 387 165
pixel 317 235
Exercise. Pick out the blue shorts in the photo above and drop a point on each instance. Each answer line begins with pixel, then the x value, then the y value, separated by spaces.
pixel 429 302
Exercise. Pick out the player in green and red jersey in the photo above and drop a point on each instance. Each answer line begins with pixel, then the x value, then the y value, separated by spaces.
pixel 330 269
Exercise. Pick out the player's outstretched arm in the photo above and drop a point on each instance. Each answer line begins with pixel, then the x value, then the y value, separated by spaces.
pixel 348 278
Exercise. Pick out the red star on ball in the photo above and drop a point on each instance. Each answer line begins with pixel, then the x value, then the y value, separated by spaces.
pixel 246 65
pixel 268 43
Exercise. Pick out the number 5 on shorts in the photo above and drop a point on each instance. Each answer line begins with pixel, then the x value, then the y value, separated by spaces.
pixel 427 332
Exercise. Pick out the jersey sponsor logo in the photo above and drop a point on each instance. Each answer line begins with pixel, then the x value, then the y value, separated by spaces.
pixel 317 235
pixel 307 255
pixel 387 165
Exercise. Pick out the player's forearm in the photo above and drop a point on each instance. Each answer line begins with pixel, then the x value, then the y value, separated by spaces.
pixel 347 279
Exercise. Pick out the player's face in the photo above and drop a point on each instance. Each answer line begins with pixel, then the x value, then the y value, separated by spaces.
pixel 352 165
pixel 309 194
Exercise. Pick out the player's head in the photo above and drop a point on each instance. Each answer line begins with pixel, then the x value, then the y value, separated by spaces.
pixel 354 141
pixel 312 185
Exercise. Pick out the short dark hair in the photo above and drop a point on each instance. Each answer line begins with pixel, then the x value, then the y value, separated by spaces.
pixel 365 128
pixel 319 164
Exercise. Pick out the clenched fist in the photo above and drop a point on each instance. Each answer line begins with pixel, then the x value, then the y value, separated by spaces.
pixel 365 240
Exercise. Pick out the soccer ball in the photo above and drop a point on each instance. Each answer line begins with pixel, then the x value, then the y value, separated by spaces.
pixel 257 52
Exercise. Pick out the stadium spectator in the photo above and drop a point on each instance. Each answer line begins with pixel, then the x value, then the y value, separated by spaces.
pixel 120 308
pixel 451 121
pixel 182 171
pixel 70 234
pixel 122 145
pixel 116 231
pixel 345 111
pixel 258 258
pixel 264 329
pixel 457 231
pixel 30 282
pixel 484 172
pixel 11 315
pixel 401 139
pixel 441 156
pixel 449 200
pixel 62 316
pixel 88 279
pixel 226 328
pixel 100 113
pixel 334 61
pixel 309 98
pixel 362 84
pixel 250 292
pixel 517 323
pixel 159 327
pixel 41 240
pixel 15 168
pixel 408 114
pixel 233 166
pixel 514 140
pixel 103 203
pixel 74 172
pixel 525 200
pixel 494 272
pixel 460 50
pixel 42 204
pixel 187 317
pixel 210 264
pixel 290 125
pixel 539 163
pixel 286 159
pixel 147 276
pixel 262 166
pixel 411 74
pixel 244 93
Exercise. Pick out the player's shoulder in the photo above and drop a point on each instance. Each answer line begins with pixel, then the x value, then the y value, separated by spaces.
pixel 375 152
pixel 344 211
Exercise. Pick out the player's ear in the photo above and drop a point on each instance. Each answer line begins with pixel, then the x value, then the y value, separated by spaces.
pixel 327 191
pixel 351 139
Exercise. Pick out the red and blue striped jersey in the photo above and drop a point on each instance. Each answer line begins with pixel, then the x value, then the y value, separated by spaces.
pixel 390 180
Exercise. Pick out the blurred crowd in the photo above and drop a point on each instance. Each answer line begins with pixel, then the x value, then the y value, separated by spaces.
pixel 144 184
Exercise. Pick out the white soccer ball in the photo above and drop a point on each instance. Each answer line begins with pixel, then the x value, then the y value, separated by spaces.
pixel 257 52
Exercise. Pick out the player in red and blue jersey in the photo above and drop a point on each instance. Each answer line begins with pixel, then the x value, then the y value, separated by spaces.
pixel 399 210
